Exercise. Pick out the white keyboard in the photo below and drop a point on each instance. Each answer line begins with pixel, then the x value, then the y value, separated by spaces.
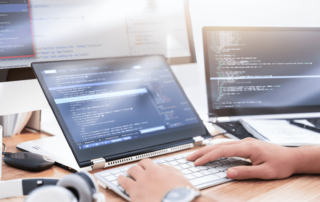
pixel 201 177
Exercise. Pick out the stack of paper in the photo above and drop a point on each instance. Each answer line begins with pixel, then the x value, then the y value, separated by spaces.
pixel 13 124
pixel 280 132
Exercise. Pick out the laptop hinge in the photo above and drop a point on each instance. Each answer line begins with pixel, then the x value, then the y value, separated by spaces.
pixel 198 140
pixel 98 163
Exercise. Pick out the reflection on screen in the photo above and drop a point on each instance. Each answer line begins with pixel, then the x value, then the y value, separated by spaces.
pixel 80 29
pixel 113 103
pixel 15 29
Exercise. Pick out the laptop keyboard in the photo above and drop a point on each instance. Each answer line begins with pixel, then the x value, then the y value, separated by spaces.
pixel 201 177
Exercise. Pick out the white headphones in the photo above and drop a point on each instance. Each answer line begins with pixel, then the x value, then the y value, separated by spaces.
pixel 77 187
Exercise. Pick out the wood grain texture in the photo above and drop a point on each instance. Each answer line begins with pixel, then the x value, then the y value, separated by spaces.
pixel 295 188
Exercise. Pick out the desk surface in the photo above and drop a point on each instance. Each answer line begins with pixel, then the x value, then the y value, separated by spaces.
pixel 295 188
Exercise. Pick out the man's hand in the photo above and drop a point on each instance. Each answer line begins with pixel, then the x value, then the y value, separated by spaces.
pixel 151 182
pixel 269 161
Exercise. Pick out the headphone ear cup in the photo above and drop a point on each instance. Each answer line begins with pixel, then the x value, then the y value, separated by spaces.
pixel 91 178
pixel 78 186
pixel 51 193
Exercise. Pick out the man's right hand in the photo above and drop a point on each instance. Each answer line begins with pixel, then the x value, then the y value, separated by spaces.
pixel 269 161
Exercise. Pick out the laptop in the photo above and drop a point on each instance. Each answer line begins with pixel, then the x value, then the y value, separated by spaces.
pixel 261 73
pixel 115 110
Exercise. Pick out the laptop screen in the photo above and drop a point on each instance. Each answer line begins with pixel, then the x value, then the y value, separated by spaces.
pixel 262 70
pixel 110 101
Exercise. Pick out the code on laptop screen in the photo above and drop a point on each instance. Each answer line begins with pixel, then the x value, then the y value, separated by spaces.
pixel 118 102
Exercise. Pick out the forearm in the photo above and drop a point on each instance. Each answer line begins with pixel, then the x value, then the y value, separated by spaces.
pixel 308 159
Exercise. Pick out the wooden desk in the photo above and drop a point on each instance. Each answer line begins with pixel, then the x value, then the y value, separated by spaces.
pixel 296 188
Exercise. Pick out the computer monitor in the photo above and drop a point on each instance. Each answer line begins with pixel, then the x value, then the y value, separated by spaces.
pixel 262 71
pixel 34 31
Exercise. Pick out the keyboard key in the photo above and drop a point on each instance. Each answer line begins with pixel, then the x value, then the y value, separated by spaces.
pixel 173 163
pixel 205 172
pixel 194 169
pixel 182 161
pixel 222 175
pixel 233 159
pixel 221 168
pixel 202 180
pixel 202 167
pixel 228 166
pixel 185 166
pixel 161 161
pixel 213 170
pixel 178 167
pixel 105 174
pixel 191 164
pixel 110 178
pixel 178 157
pixel 119 174
pixel 115 183
pixel 190 176
pixel 124 170
pixel 216 163
pixel 115 171
pixel 197 174
pixel 169 159
pixel 208 166
pixel 185 155
pixel 224 162
pixel 186 171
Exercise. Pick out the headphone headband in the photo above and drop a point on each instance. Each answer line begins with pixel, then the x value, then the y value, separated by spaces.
pixel 22 187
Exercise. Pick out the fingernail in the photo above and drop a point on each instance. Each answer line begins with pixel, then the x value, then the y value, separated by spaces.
pixel 232 173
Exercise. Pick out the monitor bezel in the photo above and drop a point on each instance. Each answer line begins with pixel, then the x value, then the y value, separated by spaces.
pixel 248 111
pixel 86 155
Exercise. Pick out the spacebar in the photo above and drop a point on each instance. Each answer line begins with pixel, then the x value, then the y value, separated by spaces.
pixel 205 179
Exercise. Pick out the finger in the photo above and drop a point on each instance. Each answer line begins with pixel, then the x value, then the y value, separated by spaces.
pixel 135 172
pixel 206 150
pixel 126 183
pixel 248 172
pixel 240 150
pixel 146 163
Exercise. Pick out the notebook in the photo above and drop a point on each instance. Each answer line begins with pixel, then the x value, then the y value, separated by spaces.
pixel 280 132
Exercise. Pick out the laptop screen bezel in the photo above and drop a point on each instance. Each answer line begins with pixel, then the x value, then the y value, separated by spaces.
pixel 116 148
pixel 255 110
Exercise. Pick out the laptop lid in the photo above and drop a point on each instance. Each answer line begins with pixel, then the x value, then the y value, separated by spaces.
pixel 116 107
pixel 262 70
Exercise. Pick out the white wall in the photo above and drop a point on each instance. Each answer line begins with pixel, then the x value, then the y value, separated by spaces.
pixel 271 13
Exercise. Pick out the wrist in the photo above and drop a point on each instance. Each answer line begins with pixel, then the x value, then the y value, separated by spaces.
pixel 307 159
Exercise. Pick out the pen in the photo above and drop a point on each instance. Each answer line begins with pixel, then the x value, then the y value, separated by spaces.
pixel 305 126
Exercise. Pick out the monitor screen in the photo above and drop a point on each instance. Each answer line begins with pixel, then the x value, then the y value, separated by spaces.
pixel 110 102
pixel 261 68
pixel 37 30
